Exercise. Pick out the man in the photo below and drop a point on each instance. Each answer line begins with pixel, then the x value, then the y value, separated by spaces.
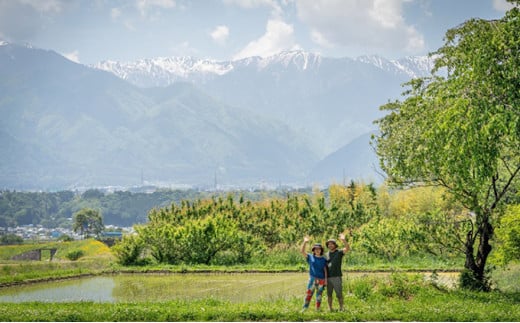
pixel 334 279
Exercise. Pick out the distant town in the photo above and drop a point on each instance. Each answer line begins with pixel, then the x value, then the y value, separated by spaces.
pixel 40 233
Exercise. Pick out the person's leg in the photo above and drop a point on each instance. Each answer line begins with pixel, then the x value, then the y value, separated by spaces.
pixel 330 289
pixel 309 293
pixel 320 286
pixel 338 287
pixel 340 301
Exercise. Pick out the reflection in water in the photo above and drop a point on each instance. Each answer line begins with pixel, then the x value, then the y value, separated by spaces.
pixel 161 287
pixel 232 287
pixel 84 289
pixel 164 287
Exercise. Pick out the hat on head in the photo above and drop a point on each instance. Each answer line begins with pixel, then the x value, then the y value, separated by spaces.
pixel 333 241
pixel 317 245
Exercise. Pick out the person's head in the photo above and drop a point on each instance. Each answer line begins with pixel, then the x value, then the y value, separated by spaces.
pixel 317 249
pixel 331 244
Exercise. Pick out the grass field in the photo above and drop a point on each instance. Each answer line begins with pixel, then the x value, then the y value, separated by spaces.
pixel 398 297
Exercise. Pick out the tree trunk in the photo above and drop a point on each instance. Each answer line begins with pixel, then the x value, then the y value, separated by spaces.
pixel 476 264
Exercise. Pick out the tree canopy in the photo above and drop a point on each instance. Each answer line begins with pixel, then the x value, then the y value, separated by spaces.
pixel 88 222
pixel 460 127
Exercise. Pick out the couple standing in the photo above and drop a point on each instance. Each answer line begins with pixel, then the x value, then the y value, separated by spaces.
pixel 325 270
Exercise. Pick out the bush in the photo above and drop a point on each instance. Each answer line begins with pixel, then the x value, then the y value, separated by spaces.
pixel 75 255
pixel 402 286
pixel 467 280
pixel 10 239
pixel 225 258
pixel 65 238
pixel 129 250
pixel 362 289
pixel 281 254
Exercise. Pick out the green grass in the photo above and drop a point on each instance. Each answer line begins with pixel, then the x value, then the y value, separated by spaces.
pixel 91 249
pixel 399 298
pixel 96 259
pixel 507 279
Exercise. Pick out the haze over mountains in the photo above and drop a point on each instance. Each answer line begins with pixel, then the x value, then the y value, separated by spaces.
pixel 331 100
pixel 295 119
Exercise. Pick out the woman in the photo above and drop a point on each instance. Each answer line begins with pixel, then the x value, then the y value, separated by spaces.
pixel 318 273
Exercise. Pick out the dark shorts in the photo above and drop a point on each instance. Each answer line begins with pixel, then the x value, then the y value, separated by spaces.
pixel 335 284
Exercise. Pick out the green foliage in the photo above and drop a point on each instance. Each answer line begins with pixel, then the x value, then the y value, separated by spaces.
pixel 467 280
pixel 402 286
pixel 461 130
pixel 129 250
pixel 508 236
pixel 221 231
pixel 10 239
pixel 122 208
pixel 75 254
pixel 87 222
pixel 65 238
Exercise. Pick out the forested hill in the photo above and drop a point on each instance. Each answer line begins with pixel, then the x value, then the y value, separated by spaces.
pixel 120 208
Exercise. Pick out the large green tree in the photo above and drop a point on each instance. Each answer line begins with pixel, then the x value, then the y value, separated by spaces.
pixel 88 222
pixel 460 127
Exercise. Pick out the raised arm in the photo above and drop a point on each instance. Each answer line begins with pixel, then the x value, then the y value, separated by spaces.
pixel 346 247
pixel 304 244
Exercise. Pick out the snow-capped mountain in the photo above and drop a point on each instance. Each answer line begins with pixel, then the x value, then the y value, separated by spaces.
pixel 65 125
pixel 163 71
pixel 412 66
pixel 332 100
pixel 190 120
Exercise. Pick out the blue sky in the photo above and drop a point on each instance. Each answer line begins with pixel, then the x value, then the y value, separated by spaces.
pixel 89 31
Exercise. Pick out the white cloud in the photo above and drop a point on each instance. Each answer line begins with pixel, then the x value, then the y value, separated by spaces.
pixel 220 34
pixel 44 5
pixel 73 56
pixel 250 4
pixel 502 5
pixel 374 25
pixel 115 13
pixel 145 5
pixel 278 37
pixel 276 10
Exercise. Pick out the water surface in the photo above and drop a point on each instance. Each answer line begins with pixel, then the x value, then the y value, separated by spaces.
pixel 240 287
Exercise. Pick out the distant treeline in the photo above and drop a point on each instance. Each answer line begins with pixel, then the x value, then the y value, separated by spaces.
pixel 120 208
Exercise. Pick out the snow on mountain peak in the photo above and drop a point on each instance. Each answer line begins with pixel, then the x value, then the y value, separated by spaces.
pixel 413 66
pixel 163 71
pixel 170 67
pixel 300 59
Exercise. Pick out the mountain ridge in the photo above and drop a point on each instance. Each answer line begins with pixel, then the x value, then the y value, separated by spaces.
pixel 333 100
pixel 283 119
pixel 67 125
pixel 175 68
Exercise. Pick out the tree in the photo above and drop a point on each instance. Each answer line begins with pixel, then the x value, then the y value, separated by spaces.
pixel 508 233
pixel 460 128
pixel 88 221
pixel 10 239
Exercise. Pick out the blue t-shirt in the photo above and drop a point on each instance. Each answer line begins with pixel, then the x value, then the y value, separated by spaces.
pixel 316 266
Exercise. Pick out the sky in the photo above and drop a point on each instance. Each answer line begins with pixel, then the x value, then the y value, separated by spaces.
pixel 91 31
